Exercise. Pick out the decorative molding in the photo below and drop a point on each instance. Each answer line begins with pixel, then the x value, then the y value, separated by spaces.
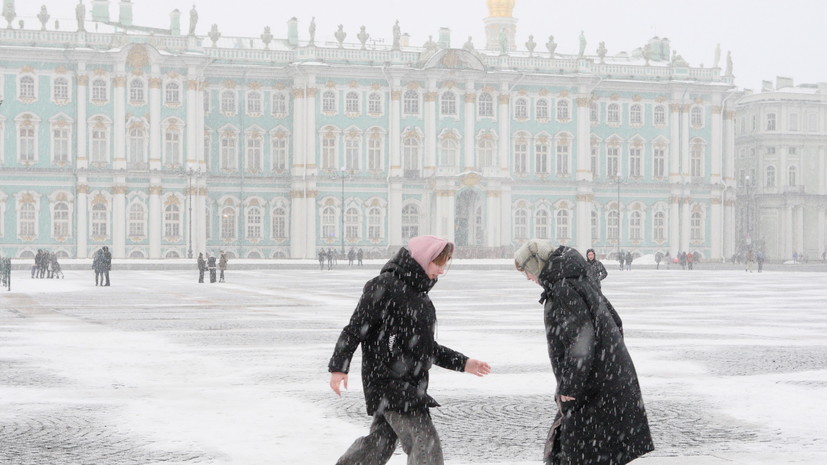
pixel 156 189
pixel 503 99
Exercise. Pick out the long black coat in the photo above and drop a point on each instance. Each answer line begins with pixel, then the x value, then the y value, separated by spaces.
pixel 394 322
pixel 606 424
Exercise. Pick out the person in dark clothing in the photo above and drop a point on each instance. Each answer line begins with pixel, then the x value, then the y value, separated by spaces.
pixel 202 267
pixel 98 266
pixel 359 256
pixel 351 255
pixel 322 257
pixel 331 255
pixel 629 259
pixel 211 267
pixel 601 419
pixel 596 271
pixel 621 257
pixel 395 322
pixel 759 259
pixel 222 266
pixel 107 264
pixel 658 259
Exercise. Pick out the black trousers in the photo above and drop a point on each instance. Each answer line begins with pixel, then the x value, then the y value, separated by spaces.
pixel 414 430
pixel 212 275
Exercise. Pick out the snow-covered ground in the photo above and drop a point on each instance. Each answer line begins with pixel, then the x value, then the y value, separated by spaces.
pixel 160 369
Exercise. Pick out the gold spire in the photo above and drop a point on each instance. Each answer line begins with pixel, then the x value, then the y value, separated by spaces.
pixel 500 8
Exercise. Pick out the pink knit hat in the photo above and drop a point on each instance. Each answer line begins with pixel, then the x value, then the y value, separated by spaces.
pixel 424 249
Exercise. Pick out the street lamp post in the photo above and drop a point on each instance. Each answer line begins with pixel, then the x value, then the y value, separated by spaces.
pixel 190 173
pixel 342 174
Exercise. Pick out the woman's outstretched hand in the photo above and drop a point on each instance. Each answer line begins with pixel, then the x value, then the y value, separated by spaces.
pixel 477 367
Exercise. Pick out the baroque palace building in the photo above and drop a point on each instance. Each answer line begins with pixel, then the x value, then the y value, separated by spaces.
pixel 159 143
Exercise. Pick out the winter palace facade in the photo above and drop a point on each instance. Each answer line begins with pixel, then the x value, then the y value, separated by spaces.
pixel 160 142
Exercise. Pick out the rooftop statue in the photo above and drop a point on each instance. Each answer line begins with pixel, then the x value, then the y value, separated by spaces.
pixel 582 44
pixel 396 35
pixel 551 45
pixel 469 45
pixel 193 20
pixel 312 30
pixel 80 15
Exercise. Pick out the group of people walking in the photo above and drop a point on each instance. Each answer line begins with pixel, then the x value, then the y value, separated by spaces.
pixel 102 263
pixel 46 265
pixel 330 258
pixel 600 420
pixel 209 264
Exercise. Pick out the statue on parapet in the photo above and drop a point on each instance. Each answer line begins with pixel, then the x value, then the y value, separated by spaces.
pixel 397 34
pixel 80 15
pixel 312 30
pixel 193 20
pixel 582 44
pixel 728 64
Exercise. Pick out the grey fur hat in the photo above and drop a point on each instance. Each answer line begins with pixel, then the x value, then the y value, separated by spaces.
pixel 532 256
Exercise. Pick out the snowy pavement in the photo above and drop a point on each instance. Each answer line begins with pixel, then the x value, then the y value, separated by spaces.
pixel 160 369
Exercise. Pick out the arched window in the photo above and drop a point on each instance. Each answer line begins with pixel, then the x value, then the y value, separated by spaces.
pixel 60 220
pixel 228 224
pixel 410 221
pixel 410 156
pixel 374 224
pixel 100 145
pixel 329 156
pixel 634 226
pixel 279 152
pixel 659 226
pixel 172 221
pixel 613 160
pixel 26 143
pixel 563 110
pixel 521 224
pixel 137 144
pixel 137 221
pixel 254 153
pixel 279 103
pixel 521 155
pixel 26 87
pixel 613 225
pixel 136 91
pixel 228 101
pixel 485 105
pixel 352 102
pixel 376 146
pixel 375 103
pixel 448 104
pixel 635 160
pixel 541 226
pixel 254 223
pixel 613 113
pixel 353 151
pixel 696 117
pixel 541 157
pixel 410 102
pixel 660 115
pixel 696 158
pixel 562 224
pixel 60 90
pixel 172 146
pixel 328 223
pixel 594 113
pixel 770 176
pixel 99 91
pixel 99 220
pixel 172 93
pixel 659 161
pixel 329 101
pixel 27 220
pixel 696 227
pixel 228 152
pixel 351 224
pixel 520 108
pixel 636 114
pixel 485 153
pixel 563 158
pixel 279 223
pixel 448 149
pixel 542 109
pixel 253 102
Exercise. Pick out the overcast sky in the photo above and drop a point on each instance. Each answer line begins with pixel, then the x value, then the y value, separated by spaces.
pixel 767 38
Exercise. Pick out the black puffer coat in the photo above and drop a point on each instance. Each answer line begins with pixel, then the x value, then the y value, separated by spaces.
pixel 606 424
pixel 395 322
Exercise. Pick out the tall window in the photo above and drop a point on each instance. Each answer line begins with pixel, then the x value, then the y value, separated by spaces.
pixel 352 102
pixel 352 224
pixel 410 154
pixel 485 153
pixel 696 160
pixel 60 145
pixel 613 113
pixel 353 149
pixel 172 146
pixel 228 223
pixel 375 144
pixel 521 108
pixel 206 101
pixel 26 141
pixel 172 221
pixel 771 122
pixel 228 101
pixel 696 227
pixel 612 161
pixel 563 113
pixel 99 93
pixel 410 102
pixel 594 163
pixel 329 223
pixel 100 145
pixel 541 157
pixel 329 151
pixel 137 221
pixel 770 176
pixel 99 220
pixel 254 102
pixel 696 117
pixel 521 224
pixel 594 113
pixel 60 220
pixel 137 139
pixel 595 228
pixel 485 104
pixel 634 226
pixel 27 220
pixel 172 93
pixel 562 224
pixel 660 115
pixel 279 103
pixel 228 152
pixel 542 109
pixel 448 104
pixel 60 90
pixel 279 147
pixel 329 101
pixel 26 88
pixel 254 153
pixel 279 223
pixel 374 224
pixel 612 225
pixel 254 223
pixel 635 160
pixel 375 103
pixel 636 114
pixel 659 162
pixel 448 152
pixel 562 158
pixel 792 176
pixel 410 221
pixel 659 224
pixel 521 156
pixel 541 226
pixel 136 91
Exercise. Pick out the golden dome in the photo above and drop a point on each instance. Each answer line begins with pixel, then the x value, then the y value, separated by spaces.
pixel 501 8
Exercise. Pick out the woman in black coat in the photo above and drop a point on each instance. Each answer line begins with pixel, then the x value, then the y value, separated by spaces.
pixel 601 419
pixel 395 323
pixel 596 271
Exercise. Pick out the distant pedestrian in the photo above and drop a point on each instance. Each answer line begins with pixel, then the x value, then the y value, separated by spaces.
pixel 97 266
pixel 596 271
pixel 202 267
pixel 658 259
pixel 690 260
pixel 668 260
pixel 795 257
pixel 759 259
pixel 331 255
pixel 824 256
pixel 211 267
pixel 621 258
pixel 749 259
pixel 222 265
pixel 351 255
pixel 107 264
pixel 359 256
pixel 322 258
pixel 629 260
pixel 682 260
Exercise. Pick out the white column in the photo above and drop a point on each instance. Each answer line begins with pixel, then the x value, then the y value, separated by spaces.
pixel 299 235
pixel 155 120
pixel 685 157
pixel 717 146
pixel 493 215
pixel 583 217
pixel 82 101
pixel 429 165
pixel 686 210
pixel 470 118
pixel 119 218
pixel 675 222
pixel 716 228
pixel 395 213
pixel 799 229
pixel 822 225
pixel 582 212
pixel 395 136
pixel 154 218
pixel 504 120
pixel 82 224
pixel 192 117
pixel 119 125
pixel 583 138
pixel 311 168
pixel 505 215
pixel 674 144
pixel 787 235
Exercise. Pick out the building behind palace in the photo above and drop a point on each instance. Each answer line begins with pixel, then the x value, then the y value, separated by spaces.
pixel 163 142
